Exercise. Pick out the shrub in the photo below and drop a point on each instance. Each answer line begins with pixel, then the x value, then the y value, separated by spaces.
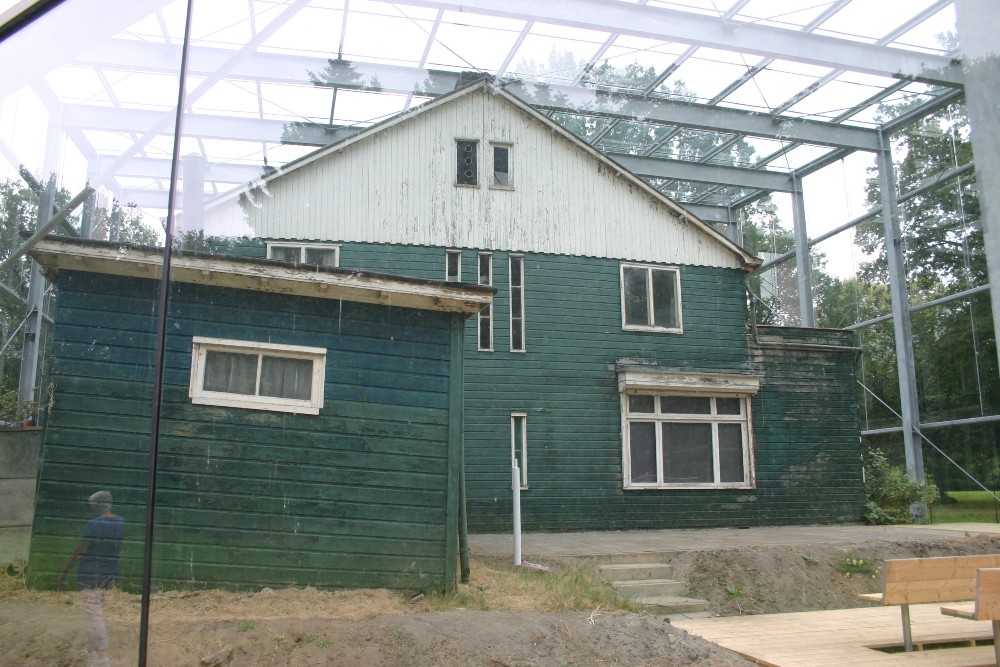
pixel 889 492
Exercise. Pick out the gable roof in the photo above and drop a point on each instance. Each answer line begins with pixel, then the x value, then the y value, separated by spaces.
pixel 745 260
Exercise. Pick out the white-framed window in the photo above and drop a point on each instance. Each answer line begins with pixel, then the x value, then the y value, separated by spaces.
pixel 687 430
pixel 467 162
pixel 485 322
pixel 519 445
pixel 517 303
pixel 453 266
pixel 257 376
pixel 320 254
pixel 501 167
pixel 651 298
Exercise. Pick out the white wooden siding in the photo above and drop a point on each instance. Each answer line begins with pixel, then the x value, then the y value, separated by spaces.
pixel 398 186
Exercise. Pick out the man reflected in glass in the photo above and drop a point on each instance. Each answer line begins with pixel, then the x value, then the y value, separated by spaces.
pixel 98 553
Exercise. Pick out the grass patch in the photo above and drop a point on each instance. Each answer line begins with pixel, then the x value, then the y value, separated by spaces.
pixel 969 507
pixel 850 565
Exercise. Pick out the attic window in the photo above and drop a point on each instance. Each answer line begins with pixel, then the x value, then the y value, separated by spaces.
pixel 468 168
pixel 501 166
pixel 257 376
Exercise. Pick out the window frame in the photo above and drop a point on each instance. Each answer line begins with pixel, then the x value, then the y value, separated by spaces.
pixel 486 312
pixel 642 377
pixel 678 307
pixel 522 418
pixel 510 172
pixel 201 346
pixel 475 157
pixel 335 247
pixel 457 254
pixel 520 316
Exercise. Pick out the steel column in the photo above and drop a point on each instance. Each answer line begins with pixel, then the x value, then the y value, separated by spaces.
pixel 802 263
pixel 901 323
pixel 33 320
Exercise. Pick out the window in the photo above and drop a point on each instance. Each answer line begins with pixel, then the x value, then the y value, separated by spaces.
pixel 651 298
pixel 320 254
pixel 257 376
pixel 519 445
pixel 486 314
pixel 468 169
pixel 501 166
pixel 453 266
pixel 516 303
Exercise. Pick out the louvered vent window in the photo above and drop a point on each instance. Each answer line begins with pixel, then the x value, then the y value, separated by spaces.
pixel 468 170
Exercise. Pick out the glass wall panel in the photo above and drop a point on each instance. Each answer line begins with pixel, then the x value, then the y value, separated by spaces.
pixel 879 390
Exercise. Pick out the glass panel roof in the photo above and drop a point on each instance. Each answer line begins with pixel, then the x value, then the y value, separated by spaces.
pixel 255 67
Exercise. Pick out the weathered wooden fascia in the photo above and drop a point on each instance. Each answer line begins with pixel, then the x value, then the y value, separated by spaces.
pixel 643 378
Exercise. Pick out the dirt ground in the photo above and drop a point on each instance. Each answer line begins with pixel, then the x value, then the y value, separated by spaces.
pixel 501 619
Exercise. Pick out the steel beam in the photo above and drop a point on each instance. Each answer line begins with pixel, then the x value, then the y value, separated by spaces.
pixel 700 172
pixel 218 172
pixel 708 31
pixel 707 213
pixel 590 102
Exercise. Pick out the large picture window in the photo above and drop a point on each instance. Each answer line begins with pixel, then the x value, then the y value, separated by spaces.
pixel 691 431
pixel 258 376
pixel 651 298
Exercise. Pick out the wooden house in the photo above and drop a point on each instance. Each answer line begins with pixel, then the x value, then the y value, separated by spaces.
pixel 616 364
pixel 310 424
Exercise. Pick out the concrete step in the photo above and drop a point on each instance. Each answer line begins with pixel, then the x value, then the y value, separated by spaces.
pixel 637 571
pixel 673 604
pixel 646 588
pixel 644 557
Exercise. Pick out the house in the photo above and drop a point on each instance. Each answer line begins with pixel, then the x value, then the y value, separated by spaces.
pixel 310 421
pixel 615 364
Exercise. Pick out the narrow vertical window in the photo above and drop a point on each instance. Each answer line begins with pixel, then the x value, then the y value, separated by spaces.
pixel 519 445
pixel 486 314
pixel 501 166
pixel 453 266
pixel 516 303
pixel 468 169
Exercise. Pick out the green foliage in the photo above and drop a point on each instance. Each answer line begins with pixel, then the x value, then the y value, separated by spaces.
pixel 734 591
pixel 247 626
pixel 889 492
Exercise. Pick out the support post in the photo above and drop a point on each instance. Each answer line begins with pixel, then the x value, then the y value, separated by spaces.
pixel 802 264
pixel 516 485
pixel 193 194
pixel 905 368
pixel 33 320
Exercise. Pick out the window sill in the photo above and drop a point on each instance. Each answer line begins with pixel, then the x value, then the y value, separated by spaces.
pixel 502 187
pixel 471 186
pixel 249 403
pixel 690 487
pixel 636 327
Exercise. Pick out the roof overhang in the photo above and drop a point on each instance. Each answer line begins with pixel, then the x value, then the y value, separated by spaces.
pixel 260 275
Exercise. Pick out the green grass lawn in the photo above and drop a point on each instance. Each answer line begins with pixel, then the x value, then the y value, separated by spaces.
pixel 971 506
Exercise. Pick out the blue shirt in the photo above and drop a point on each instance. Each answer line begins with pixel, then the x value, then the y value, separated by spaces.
pixel 100 564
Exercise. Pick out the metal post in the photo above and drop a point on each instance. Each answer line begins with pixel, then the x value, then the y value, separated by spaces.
pixel 516 484
pixel 978 23
pixel 33 320
pixel 802 264
pixel 901 323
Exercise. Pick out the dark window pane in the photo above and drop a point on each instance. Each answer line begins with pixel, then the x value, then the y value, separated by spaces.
pixel 467 168
pixel 321 256
pixel 501 166
pixel 485 337
pixel 515 302
pixel 686 405
pixel 230 372
pixel 687 454
pixel 286 378
pixel 636 302
pixel 453 265
pixel 728 406
pixel 516 335
pixel 642 452
pixel 641 404
pixel 515 271
pixel 731 453
pixel 664 299
pixel 284 253
pixel 485 264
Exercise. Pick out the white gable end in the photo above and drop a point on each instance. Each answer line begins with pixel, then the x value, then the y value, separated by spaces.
pixel 398 185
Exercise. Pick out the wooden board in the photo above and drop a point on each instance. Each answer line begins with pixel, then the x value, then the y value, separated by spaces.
pixel 848 637
pixel 945 579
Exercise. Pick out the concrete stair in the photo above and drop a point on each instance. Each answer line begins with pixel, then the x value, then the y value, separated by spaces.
pixel 651 584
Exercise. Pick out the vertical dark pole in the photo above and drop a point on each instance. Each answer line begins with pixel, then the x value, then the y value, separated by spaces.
pixel 161 335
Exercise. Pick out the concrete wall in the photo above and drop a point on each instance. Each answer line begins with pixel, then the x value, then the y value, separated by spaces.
pixel 19 452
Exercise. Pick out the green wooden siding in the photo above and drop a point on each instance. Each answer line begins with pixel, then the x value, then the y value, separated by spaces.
pixel 805 415
pixel 364 494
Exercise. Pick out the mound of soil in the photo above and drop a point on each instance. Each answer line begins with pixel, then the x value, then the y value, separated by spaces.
pixel 305 627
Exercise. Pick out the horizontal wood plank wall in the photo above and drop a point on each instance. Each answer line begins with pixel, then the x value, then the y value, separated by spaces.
pixel 356 496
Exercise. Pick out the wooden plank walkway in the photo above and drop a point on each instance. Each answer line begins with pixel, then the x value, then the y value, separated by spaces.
pixel 849 637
